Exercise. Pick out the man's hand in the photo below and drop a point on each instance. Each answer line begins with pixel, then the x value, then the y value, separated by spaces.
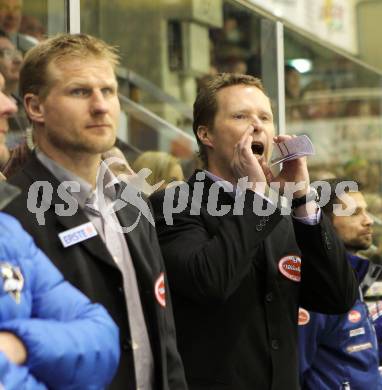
pixel 293 171
pixel 13 348
pixel 245 163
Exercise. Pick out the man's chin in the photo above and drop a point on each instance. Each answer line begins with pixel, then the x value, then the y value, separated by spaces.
pixel 358 246
pixel 103 145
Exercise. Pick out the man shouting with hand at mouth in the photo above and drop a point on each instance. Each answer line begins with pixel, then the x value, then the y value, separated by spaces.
pixel 237 279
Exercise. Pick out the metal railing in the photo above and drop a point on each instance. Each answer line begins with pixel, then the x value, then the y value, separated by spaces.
pixel 152 120
pixel 153 90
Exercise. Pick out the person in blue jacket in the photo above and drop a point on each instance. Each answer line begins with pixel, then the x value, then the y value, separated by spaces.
pixel 341 351
pixel 51 336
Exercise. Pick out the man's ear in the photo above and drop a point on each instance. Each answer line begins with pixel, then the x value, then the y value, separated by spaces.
pixel 205 136
pixel 34 108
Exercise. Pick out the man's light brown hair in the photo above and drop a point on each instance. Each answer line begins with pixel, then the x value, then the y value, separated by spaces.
pixel 34 75
pixel 206 106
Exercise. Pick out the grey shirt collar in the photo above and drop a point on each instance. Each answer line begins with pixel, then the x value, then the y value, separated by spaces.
pixel 110 184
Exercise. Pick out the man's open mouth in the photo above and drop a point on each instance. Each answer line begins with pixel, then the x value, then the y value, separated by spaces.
pixel 257 148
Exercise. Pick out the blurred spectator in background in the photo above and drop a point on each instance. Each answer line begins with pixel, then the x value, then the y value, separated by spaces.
pixel 10 15
pixel 10 21
pixel 234 64
pixel 341 351
pixel 181 147
pixel 229 46
pixel 254 65
pixel 317 100
pixel 292 82
pixel 17 122
pixel 232 31
pixel 293 110
pixel 19 156
pixel 10 64
pixel 162 165
pixel 117 162
pixel 358 108
pixel 7 108
pixel 32 26
pixel 357 168
pixel 4 151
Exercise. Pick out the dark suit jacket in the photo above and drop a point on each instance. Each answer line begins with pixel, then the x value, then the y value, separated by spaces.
pixel 89 266
pixel 235 311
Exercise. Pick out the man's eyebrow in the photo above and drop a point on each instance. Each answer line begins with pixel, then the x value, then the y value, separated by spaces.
pixel 249 110
pixel 86 82
pixel 238 109
pixel 266 112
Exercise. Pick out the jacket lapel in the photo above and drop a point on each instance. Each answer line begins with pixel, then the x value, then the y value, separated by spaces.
pixel 94 245
pixel 146 269
pixel 137 241
pixel 224 197
pixel 37 172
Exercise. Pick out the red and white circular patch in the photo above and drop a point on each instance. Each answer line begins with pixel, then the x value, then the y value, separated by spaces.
pixel 290 267
pixel 303 316
pixel 354 316
pixel 159 288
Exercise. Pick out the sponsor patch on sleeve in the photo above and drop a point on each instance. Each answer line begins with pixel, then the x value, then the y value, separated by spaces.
pixel 357 332
pixel 354 316
pixel 290 267
pixel 159 289
pixel 303 316
pixel 358 347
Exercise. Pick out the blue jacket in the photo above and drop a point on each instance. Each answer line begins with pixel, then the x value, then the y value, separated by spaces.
pixel 71 343
pixel 339 351
pixel 375 312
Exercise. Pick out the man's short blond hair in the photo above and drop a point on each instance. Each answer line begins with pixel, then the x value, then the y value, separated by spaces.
pixel 34 75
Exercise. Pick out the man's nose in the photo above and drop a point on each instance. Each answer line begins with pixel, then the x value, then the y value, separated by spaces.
pixel 7 105
pixel 368 220
pixel 99 104
pixel 257 124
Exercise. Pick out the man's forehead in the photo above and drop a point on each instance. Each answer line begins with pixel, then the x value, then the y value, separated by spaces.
pixel 357 197
pixel 360 199
pixel 247 93
pixel 70 69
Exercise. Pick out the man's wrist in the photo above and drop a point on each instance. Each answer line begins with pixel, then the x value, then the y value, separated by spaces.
pixel 309 196
pixel 301 192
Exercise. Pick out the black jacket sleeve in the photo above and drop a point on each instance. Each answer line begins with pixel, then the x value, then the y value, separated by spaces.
pixel 328 283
